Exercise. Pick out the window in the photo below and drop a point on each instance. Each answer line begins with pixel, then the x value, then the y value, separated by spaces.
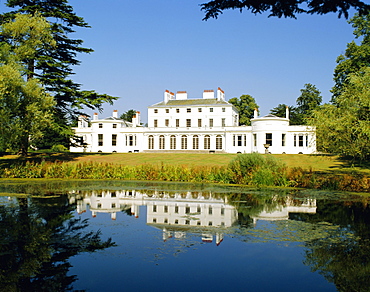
pixel 245 140
pixel 99 205
pixel 154 208
pixel 176 209
pixel 198 209
pixel 254 140
pixel 161 142
pixel 155 123
pixel 173 142
pixel 187 222
pixel 187 210
pixel 113 205
pixel 218 142
pixel 223 122
pixel 100 139
pixel 166 122
pixel 114 139
pixel 207 142
pixel 199 110
pixel 184 142
pixel 156 111
pixel 210 210
pixel 210 123
pixel 177 110
pixel 222 211
pixel 195 142
pixel 240 142
pixel 233 140
pixel 130 140
pixel 269 139
pixel 188 110
pixel 113 194
pixel 188 123
pixel 100 126
pixel 151 142
pixel 166 209
pixel 177 123
pixel 300 140
pixel 295 140
pixel 283 139
pixel 167 110
pixel 211 109
pixel 199 123
pixel 223 109
pixel 114 126
pixel 306 140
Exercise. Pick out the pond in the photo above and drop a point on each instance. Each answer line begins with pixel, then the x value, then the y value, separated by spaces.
pixel 147 236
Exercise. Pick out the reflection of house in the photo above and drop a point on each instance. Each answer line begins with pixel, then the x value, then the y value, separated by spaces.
pixel 282 212
pixel 208 124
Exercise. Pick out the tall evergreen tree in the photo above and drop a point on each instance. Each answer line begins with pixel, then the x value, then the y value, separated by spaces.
pixel 308 101
pixel 246 105
pixel 53 66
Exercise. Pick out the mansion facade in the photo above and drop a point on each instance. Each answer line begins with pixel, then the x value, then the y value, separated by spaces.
pixel 209 124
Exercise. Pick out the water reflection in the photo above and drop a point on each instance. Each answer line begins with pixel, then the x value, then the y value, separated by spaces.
pixel 273 235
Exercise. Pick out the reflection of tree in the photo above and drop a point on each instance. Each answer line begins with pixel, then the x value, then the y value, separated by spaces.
pixel 346 261
pixel 38 238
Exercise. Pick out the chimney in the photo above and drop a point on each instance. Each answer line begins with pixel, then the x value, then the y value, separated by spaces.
pixel 255 113
pixel 208 94
pixel 95 116
pixel 168 96
pixel 220 94
pixel 136 120
pixel 115 114
pixel 287 112
pixel 181 95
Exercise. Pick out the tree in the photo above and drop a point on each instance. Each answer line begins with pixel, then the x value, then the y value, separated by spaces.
pixel 280 8
pixel 344 127
pixel 246 105
pixel 355 57
pixel 309 100
pixel 294 117
pixel 127 116
pixel 53 65
pixel 25 107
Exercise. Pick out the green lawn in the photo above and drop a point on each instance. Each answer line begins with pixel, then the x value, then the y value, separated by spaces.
pixel 322 163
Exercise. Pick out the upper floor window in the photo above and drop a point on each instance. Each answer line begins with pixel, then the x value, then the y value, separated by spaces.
pixel 100 125
pixel 188 110
pixel 177 123
pixel 223 109
pixel 222 122
pixel 211 123
pixel 166 122
pixel 114 126
pixel 167 110
pixel 199 109
pixel 156 111
pixel 188 123
pixel 177 110
pixel 211 109
pixel 199 122
pixel 155 123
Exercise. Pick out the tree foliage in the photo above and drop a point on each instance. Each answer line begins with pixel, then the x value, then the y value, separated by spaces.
pixel 25 107
pixel 355 57
pixel 295 117
pixel 344 127
pixel 53 66
pixel 280 8
pixel 309 100
pixel 127 116
pixel 246 105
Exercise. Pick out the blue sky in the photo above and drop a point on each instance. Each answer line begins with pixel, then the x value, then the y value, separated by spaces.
pixel 144 47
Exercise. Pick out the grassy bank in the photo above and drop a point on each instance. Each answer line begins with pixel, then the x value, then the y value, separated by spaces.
pixel 320 172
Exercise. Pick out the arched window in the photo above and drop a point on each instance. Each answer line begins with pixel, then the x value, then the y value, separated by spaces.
pixel 161 142
pixel 218 142
pixel 184 142
pixel 151 142
pixel 207 142
pixel 173 142
pixel 195 142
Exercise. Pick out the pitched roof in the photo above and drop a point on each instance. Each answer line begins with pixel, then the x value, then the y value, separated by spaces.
pixel 185 102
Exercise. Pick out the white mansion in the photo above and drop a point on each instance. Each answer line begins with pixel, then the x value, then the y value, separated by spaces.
pixel 208 124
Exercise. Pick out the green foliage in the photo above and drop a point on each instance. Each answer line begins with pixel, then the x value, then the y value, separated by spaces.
pixel 356 56
pixel 59 148
pixel 344 128
pixel 127 116
pixel 308 101
pixel 257 169
pixel 294 116
pixel 284 8
pixel 246 105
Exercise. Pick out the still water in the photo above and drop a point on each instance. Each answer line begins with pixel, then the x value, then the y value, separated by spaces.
pixel 124 236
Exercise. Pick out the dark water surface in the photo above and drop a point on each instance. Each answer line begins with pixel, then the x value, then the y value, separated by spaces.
pixel 125 236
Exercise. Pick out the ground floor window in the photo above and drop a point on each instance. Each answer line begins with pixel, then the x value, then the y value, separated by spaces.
pixel 195 142
pixel 207 142
pixel 100 139
pixel 283 137
pixel 218 142
pixel 151 142
pixel 184 142
pixel 254 140
pixel 300 140
pixel 161 142
pixel 269 138
pixel 130 140
pixel 173 142
pixel 114 139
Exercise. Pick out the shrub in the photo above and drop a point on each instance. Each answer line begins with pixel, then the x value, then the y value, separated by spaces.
pixel 58 148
